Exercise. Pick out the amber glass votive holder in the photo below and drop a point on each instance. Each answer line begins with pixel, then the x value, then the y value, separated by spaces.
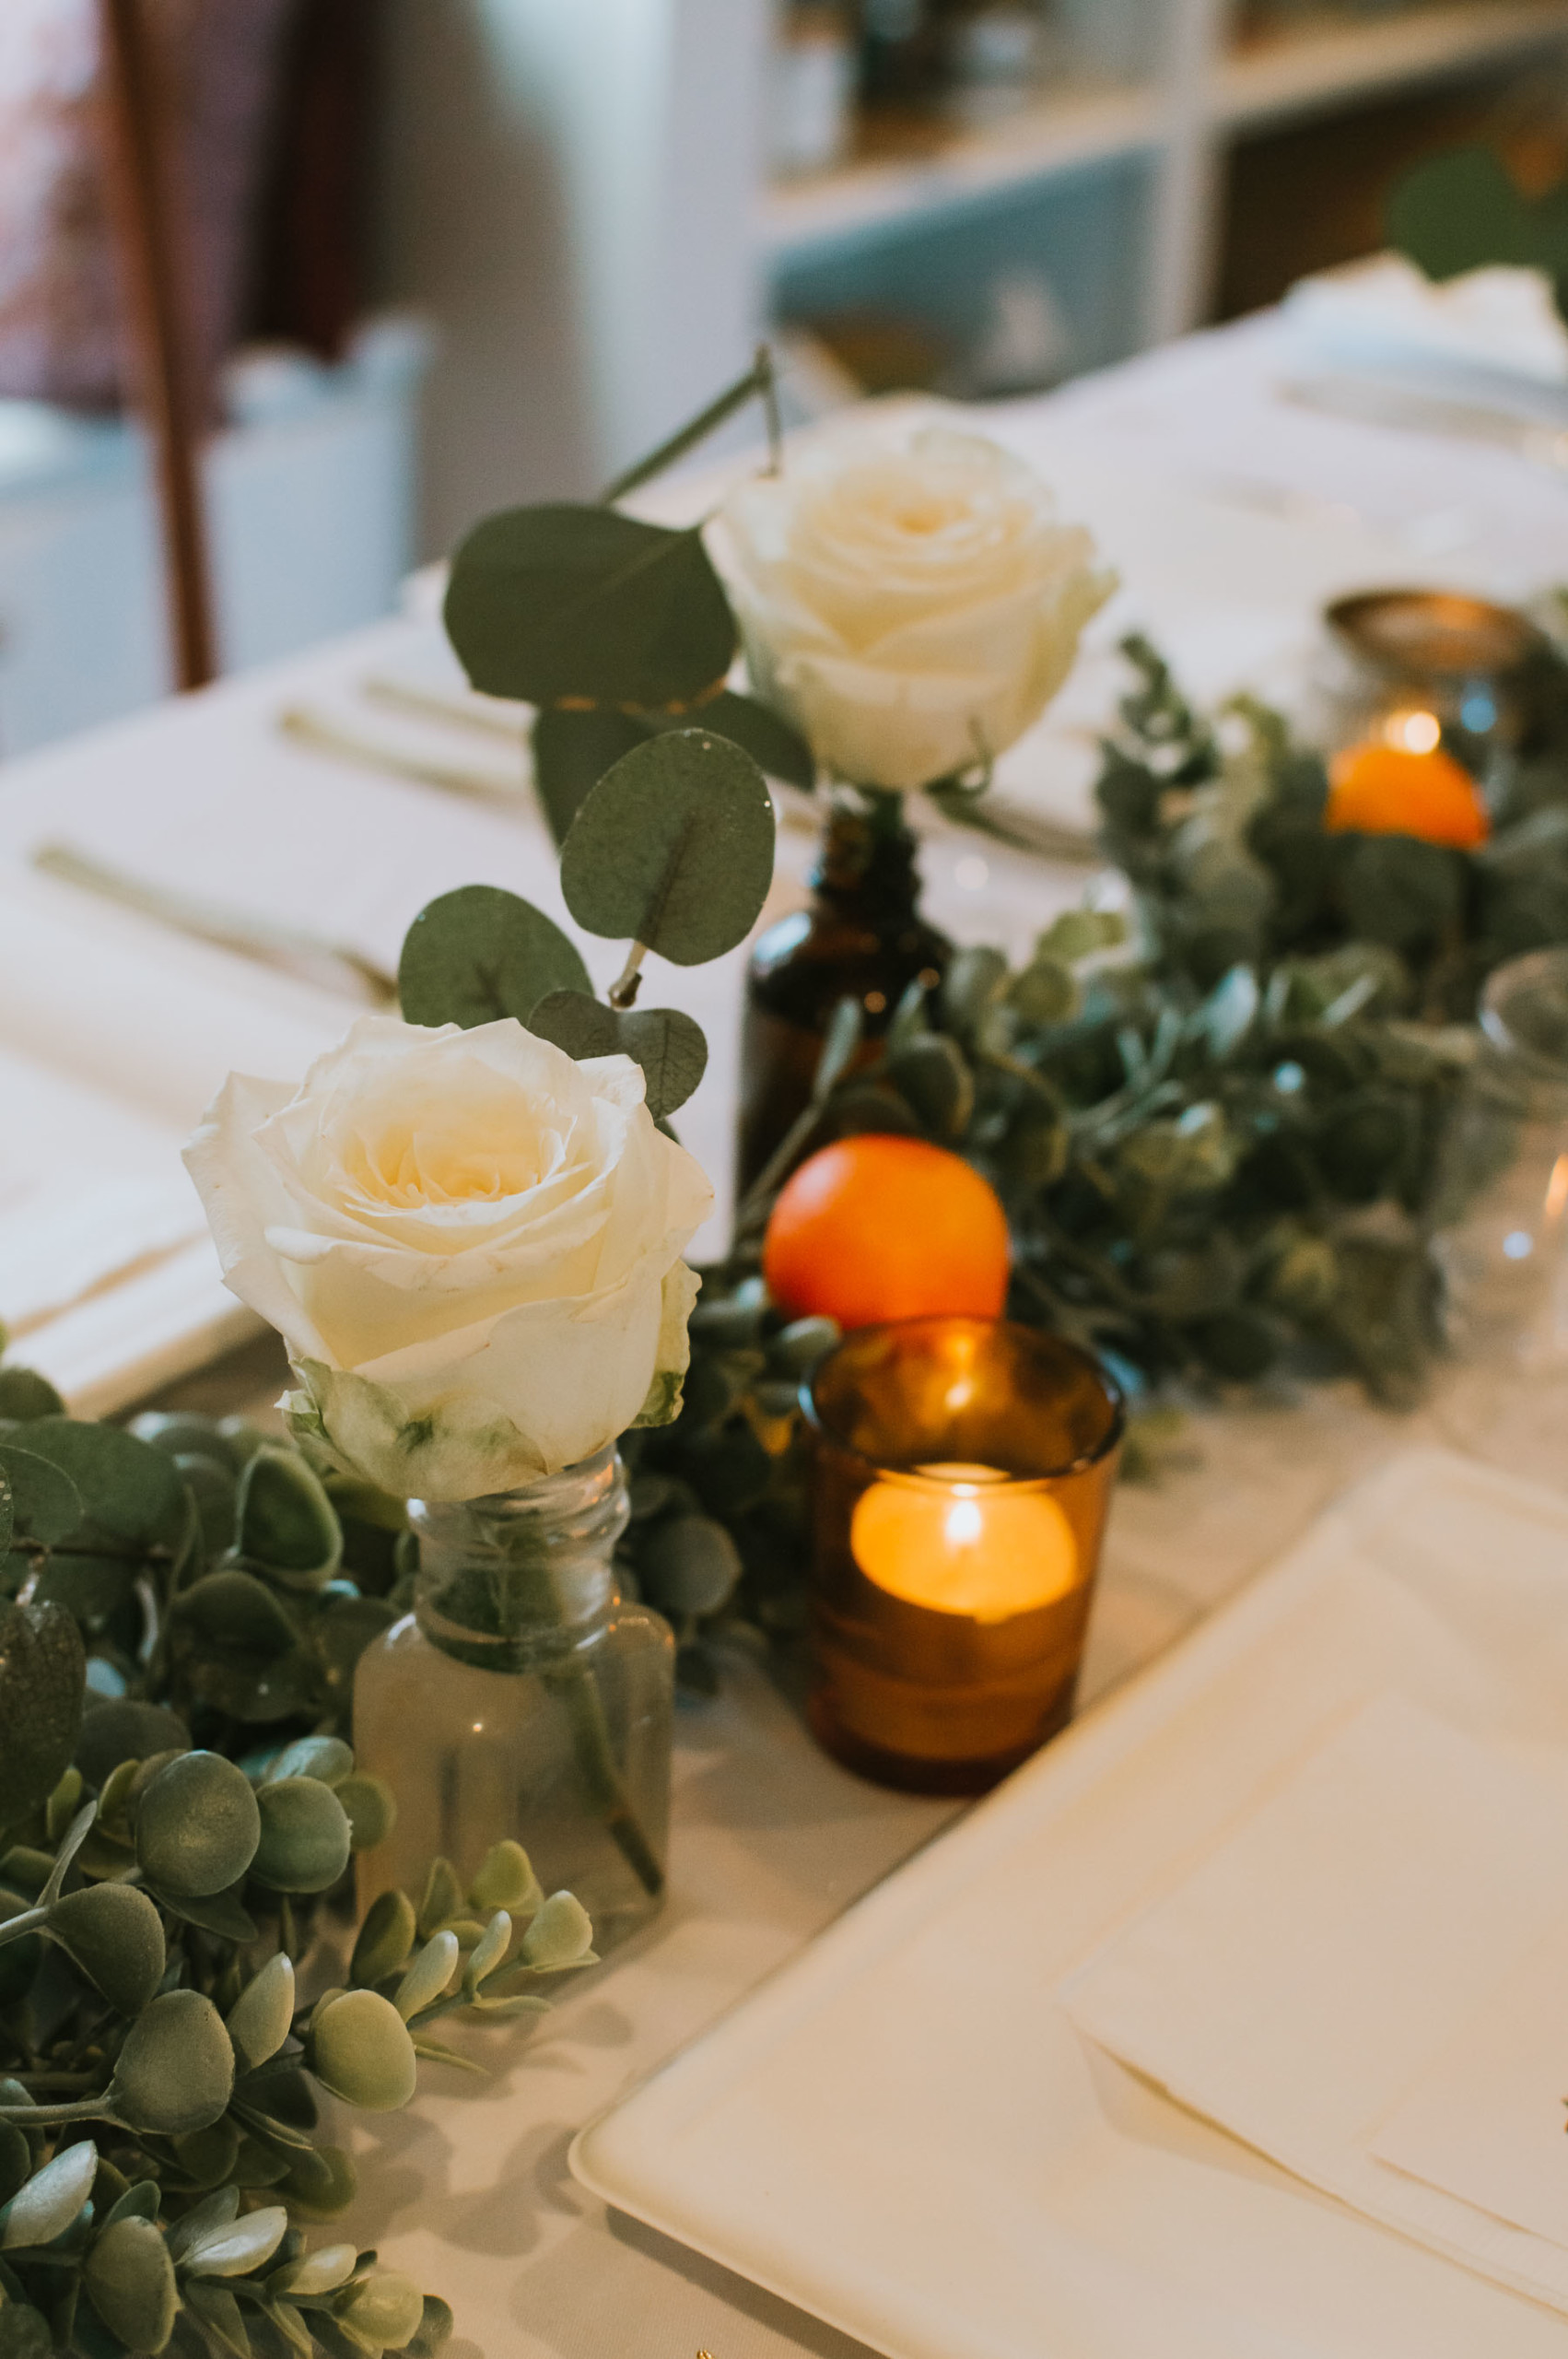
pixel 963 1471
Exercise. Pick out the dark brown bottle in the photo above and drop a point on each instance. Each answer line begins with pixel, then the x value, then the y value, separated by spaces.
pixel 862 938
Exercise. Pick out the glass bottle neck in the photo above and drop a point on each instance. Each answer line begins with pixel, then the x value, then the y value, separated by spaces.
pixel 506 1580
pixel 867 865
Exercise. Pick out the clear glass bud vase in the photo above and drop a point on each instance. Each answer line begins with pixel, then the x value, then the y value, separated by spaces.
pixel 524 1697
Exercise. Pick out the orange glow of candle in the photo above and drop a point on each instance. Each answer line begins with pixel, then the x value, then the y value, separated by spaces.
pixel 965 1541
pixel 1404 783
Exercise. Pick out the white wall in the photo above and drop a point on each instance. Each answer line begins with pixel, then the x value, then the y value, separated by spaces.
pixel 570 190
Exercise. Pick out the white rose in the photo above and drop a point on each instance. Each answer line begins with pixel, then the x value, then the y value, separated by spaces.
pixel 907 597
pixel 470 1244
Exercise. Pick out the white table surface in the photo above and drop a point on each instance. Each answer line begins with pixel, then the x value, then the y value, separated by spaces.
pixel 1230 515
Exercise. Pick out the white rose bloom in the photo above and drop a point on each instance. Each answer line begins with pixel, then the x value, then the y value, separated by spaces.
pixel 470 1243
pixel 907 597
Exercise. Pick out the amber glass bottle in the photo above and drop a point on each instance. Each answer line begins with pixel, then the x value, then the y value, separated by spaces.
pixel 862 938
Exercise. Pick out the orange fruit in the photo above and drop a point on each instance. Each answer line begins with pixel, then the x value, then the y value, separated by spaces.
pixel 879 1228
pixel 1382 789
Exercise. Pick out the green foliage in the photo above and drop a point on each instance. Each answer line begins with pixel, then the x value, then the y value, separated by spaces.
pixel 480 953
pixel 560 602
pixel 667 1044
pixel 673 849
pixel 156 2072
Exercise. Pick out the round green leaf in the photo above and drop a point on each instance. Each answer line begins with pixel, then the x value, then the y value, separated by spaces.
pixel 560 1936
pixel 689 1564
pixel 129 2280
pixel 305 1836
pixel 197 1825
pixel 933 1076
pixel 668 1045
pixel 370 1808
pixel 176 2069
pixel 385 1938
pixel 285 1521
pixel 479 954
pixel 359 2048
pixel 577 1023
pixel 321 2272
pixel 51 2198
pixel 132 1496
pixel 15 2154
pixel 235 1614
pixel 325 1758
pixel 555 602
pixel 249 2243
pixel 572 753
pixel 124 1730
pixel 385 2307
pixel 24 2332
pixel 115 1935
pixel 24 1395
pixel 506 1880
pixel 260 2018
pixel 42 1681
pixel 322 2178
pixel 674 848
pixel 778 750
pixel 428 1975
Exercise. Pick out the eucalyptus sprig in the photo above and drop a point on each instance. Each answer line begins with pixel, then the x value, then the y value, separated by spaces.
pixel 160 2069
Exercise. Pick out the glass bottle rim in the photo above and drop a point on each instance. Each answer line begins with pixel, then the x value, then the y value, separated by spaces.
pixel 920 1478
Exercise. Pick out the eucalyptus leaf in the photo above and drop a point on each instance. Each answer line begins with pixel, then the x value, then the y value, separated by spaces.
pixel 428 1975
pixel 24 2332
pixel 285 1521
pixel 249 2243
pixel 42 1676
pixel 113 1933
pixel 668 1045
pixel 387 2308
pixel 689 1564
pixel 325 1758
pixel 370 1808
pixel 305 1836
pixel 359 2048
pixel 51 2198
pixel 560 1936
pixel 24 1395
pixel 260 2019
pixel 478 955
pixel 197 1825
pixel 176 2069
pixel 778 749
pixel 385 1938
pixel 235 1614
pixel 506 1880
pixel 322 2178
pixel 129 2279
pixel 560 602
pixel 572 753
pixel 125 1730
pixel 673 849
pixel 132 1496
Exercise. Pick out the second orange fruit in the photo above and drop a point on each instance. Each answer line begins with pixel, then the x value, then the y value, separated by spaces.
pixel 879 1228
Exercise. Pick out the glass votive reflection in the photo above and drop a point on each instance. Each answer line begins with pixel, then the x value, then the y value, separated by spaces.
pixel 963 1471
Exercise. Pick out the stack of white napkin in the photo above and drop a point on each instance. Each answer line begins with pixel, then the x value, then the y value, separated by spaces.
pixel 1367 1981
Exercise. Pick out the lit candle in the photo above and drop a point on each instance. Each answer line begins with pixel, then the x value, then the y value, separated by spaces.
pixel 964 1539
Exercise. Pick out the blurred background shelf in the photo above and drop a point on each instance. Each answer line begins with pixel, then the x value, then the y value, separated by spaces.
pixel 1323 60
pixel 1064 134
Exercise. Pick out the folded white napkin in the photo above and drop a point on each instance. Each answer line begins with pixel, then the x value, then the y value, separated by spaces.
pixel 1368 1982
pixel 1503 320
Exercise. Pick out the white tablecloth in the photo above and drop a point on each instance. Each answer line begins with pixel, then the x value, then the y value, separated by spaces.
pixel 1231 514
